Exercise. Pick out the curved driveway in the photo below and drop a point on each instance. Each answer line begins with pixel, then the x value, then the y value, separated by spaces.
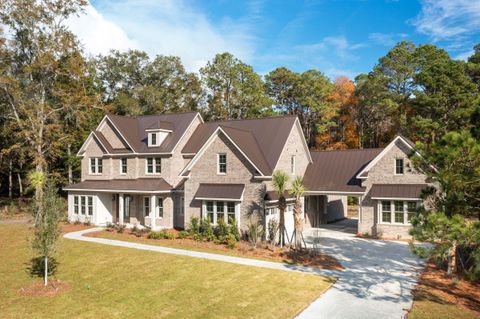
pixel 378 278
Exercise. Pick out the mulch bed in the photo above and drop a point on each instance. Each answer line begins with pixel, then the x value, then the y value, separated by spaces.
pixel 436 285
pixel 242 249
pixel 67 228
pixel 54 288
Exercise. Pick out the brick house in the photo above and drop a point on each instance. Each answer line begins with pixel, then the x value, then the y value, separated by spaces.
pixel 161 170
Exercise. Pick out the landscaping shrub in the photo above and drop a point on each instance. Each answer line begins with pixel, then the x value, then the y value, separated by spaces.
pixel 222 230
pixel 194 225
pixel 231 241
pixel 197 237
pixel 154 235
pixel 110 226
pixel 233 229
pixel 120 228
pixel 183 234
pixel 206 230
pixel 77 221
pixel 87 222
pixel 169 235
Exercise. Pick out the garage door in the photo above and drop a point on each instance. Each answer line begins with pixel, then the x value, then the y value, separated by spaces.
pixel 289 222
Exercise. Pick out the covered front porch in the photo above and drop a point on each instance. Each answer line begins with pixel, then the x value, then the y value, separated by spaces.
pixel 133 202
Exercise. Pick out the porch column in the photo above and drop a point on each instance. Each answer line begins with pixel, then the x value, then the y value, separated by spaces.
pixel 153 211
pixel 120 208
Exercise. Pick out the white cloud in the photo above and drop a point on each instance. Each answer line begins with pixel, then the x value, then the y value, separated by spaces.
pixel 169 27
pixel 337 44
pixel 387 39
pixel 97 34
pixel 445 19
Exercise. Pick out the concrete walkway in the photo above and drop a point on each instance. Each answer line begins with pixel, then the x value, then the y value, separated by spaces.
pixel 377 281
pixel 78 235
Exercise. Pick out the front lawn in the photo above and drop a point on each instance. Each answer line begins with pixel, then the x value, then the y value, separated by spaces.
pixel 114 282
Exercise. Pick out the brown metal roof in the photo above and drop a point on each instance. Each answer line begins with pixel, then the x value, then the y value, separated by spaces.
pixel 133 129
pixel 273 196
pixel 336 171
pixel 135 185
pixel 220 191
pixel 392 191
pixel 263 144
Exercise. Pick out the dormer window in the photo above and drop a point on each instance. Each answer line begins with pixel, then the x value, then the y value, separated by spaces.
pixel 153 139
pixel 399 166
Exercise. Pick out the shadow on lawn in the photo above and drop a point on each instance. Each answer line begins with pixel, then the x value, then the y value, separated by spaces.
pixel 36 267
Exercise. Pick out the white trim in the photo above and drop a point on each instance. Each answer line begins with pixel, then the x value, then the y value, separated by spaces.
pixel 126 191
pixel 293 164
pixel 262 177
pixel 158 130
pixel 399 199
pixel 207 144
pixel 392 222
pixel 88 140
pixel 382 153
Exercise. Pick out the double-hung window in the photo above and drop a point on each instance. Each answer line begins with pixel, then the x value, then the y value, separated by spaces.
pixel 82 205
pixel 160 207
pixel 127 200
pixel 221 163
pixel 209 211
pixel 231 212
pixel 399 166
pixel 75 205
pixel 386 212
pixel 154 165
pixel 96 166
pixel 123 166
pixel 399 211
pixel 146 206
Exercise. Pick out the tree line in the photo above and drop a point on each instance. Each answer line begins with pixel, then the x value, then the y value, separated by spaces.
pixel 52 94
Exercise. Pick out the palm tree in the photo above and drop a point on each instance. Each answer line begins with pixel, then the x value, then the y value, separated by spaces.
pixel 279 180
pixel 298 189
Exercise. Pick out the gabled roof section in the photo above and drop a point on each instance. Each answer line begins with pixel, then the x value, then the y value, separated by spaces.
pixel 134 129
pixel 242 137
pixel 262 140
pixel 399 138
pixel 336 171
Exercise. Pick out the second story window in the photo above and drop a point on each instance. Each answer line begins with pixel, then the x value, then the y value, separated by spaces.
pixel 154 165
pixel 123 166
pixel 96 166
pixel 399 166
pixel 222 163
pixel 292 164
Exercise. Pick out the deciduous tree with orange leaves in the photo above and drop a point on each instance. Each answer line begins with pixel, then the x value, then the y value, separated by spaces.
pixel 344 134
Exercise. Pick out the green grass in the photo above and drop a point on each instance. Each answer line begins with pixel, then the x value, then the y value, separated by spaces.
pixel 114 282
pixel 428 305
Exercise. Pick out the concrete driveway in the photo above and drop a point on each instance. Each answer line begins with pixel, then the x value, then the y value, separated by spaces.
pixel 378 277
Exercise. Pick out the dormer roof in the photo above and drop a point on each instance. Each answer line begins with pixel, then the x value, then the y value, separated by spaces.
pixel 134 131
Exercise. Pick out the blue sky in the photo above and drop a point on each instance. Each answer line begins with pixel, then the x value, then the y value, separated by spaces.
pixel 337 37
